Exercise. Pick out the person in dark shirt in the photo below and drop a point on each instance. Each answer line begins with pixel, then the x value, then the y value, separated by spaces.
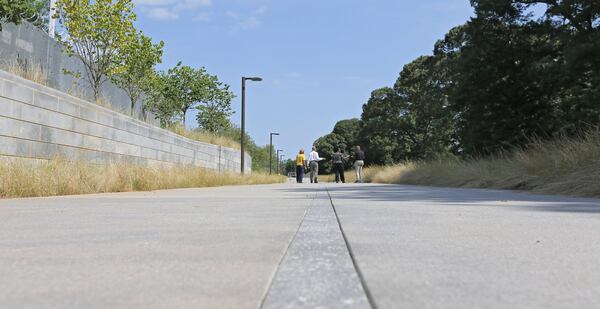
pixel 338 165
pixel 359 162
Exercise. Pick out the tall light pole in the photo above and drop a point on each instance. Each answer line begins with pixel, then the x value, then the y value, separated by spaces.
pixel 271 151
pixel 281 159
pixel 52 19
pixel 278 160
pixel 254 79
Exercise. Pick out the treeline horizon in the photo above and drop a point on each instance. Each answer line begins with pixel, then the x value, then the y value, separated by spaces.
pixel 518 70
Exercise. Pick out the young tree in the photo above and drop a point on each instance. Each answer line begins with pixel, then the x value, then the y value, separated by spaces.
pixel 213 115
pixel 185 87
pixel 138 67
pixel 156 101
pixel 99 33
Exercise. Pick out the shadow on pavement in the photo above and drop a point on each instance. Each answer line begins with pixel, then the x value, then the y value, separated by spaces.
pixel 453 197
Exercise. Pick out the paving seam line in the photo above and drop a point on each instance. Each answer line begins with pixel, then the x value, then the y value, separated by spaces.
pixel 363 282
pixel 285 252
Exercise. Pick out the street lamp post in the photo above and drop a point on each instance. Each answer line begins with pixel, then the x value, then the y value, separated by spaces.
pixel 281 159
pixel 271 151
pixel 278 161
pixel 52 19
pixel 254 79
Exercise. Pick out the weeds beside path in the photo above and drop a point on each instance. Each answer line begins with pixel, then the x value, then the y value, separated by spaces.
pixel 59 177
pixel 565 166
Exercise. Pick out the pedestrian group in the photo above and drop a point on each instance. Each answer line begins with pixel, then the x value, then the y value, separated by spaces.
pixel 338 159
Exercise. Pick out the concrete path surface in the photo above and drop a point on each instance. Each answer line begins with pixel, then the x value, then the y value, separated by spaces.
pixel 301 246
pixel 199 248
pixel 455 248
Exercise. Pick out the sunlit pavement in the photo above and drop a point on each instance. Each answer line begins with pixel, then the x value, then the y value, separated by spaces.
pixel 301 246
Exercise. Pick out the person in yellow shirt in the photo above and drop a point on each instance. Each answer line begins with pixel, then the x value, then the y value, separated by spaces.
pixel 300 166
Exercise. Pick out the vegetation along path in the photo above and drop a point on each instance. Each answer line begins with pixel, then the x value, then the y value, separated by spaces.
pixel 356 246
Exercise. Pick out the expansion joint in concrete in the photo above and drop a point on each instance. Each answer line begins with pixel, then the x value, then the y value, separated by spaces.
pixel 318 271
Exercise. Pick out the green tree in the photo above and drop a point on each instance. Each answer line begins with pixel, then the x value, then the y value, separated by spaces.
pixel 214 114
pixel 289 166
pixel 99 34
pixel 40 15
pixel 13 11
pixel 506 80
pixel 382 132
pixel 138 67
pixel 344 137
pixel 157 101
pixel 576 24
pixel 260 155
pixel 348 130
pixel 427 123
pixel 184 88
pixel 326 146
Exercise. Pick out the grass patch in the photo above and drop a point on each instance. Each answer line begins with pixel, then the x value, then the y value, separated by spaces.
pixel 566 166
pixel 206 137
pixel 26 70
pixel 60 177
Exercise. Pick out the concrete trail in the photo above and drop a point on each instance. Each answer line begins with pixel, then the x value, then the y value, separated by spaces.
pixel 301 246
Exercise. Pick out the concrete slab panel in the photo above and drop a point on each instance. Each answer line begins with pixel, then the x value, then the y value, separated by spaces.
pixel 68 107
pixel 63 137
pixel 23 148
pixel 68 153
pixel 88 113
pixel 105 118
pixel 17 92
pixel 6 107
pixel 19 129
pixel 43 150
pixel 44 100
pixel 8 145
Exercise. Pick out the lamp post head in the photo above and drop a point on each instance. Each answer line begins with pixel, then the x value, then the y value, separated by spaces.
pixel 272 133
pixel 254 79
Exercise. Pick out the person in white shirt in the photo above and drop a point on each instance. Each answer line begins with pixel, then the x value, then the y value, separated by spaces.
pixel 313 161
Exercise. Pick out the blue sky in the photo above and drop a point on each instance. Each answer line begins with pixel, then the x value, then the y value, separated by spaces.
pixel 320 60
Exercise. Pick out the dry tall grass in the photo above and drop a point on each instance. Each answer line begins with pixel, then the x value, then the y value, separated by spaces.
pixel 25 70
pixel 206 137
pixel 59 177
pixel 565 166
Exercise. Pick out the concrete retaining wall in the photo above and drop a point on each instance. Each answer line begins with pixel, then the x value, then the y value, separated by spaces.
pixel 31 48
pixel 38 122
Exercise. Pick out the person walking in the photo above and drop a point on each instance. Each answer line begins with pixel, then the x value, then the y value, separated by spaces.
pixel 313 160
pixel 338 165
pixel 300 166
pixel 359 162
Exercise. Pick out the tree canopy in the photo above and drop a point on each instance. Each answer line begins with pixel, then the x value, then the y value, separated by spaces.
pixel 138 67
pixel 517 70
pixel 99 33
pixel 13 11
pixel 182 88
